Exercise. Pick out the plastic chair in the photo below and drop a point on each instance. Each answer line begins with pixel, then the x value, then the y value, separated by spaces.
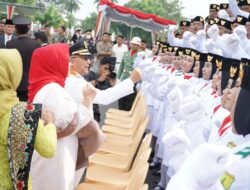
pixel 116 161
pixel 118 178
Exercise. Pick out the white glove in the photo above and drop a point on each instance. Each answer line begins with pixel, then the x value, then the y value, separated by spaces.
pixel 233 41
pixel 212 160
pixel 201 35
pixel 191 108
pixel 222 14
pixel 172 28
pixel 207 164
pixel 162 87
pixel 241 32
pixel 184 85
pixel 174 98
pixel 148 72
pixel 209 44
pixel 138 62
pixel 176 140
pixel 171 83
pixel 213 32
pixel 187 35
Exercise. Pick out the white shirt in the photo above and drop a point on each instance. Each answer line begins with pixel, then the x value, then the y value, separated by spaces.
pixel 74 86
pixel 7 38
pixel 118 52
pixel 146 53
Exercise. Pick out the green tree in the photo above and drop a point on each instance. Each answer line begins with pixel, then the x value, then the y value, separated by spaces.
pixel 71 21
pixel 50 16
pixel 27 2
pixel 168 9
pixel 71 5
pixel 89 22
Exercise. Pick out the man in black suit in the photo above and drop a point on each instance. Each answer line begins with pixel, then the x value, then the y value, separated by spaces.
pixel 26 47
pixel 8 33
pixel 77 36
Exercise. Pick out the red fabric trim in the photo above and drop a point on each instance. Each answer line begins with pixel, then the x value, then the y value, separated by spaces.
pixel 203 87
pixel 138 14
pixel 187 77
pixel 223 127
pixel 216 108
pixel 98 21
pixel 10 9
pixel 168 67
pixel 213 93
pixel 172 70
pixel 132 53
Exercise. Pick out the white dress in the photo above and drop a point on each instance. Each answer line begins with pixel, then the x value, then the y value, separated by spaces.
pixel 58 172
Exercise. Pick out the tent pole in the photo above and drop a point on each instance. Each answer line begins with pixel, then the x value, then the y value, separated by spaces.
pixel 131 32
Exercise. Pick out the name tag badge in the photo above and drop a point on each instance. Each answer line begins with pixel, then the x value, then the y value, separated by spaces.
pixel 227 180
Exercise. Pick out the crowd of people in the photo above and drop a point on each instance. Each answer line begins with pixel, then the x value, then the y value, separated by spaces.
pixel 196 85
pixel 47 123
pixel 197 91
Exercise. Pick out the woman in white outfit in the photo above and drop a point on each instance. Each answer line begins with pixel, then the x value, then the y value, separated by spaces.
pixel 48 71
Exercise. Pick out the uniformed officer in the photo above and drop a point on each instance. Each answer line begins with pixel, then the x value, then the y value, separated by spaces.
pixel 26 47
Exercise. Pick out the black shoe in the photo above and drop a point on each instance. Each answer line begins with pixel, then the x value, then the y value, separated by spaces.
pixel 157 173
pixel 158 187
pixel 154 165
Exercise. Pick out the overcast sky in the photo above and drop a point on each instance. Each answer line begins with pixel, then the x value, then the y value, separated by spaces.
pixel 191 7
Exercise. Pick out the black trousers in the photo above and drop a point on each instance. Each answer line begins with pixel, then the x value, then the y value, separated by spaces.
pixel 22 95
pixel 126 102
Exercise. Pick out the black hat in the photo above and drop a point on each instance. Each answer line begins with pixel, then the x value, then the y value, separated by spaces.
pixel 243 3
pixel 79 48
pixel 234 71
pixel 198 19
pixel 245 74
pixel 9 22
pixel 211 21
pixel 200 56
pixel 212 59
pixel 228 62
pixel 188 52
pixel 166 48
pixel 225 23
pixel 242 107
pixel 21 20
pixel 245 61
pixel 108 60
pixel 185 23
pixel 225 65
pixel 78 29
pixel 179 51
pixel 224 6
pixel 214 7
pixel 88 30
pixel 240 20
